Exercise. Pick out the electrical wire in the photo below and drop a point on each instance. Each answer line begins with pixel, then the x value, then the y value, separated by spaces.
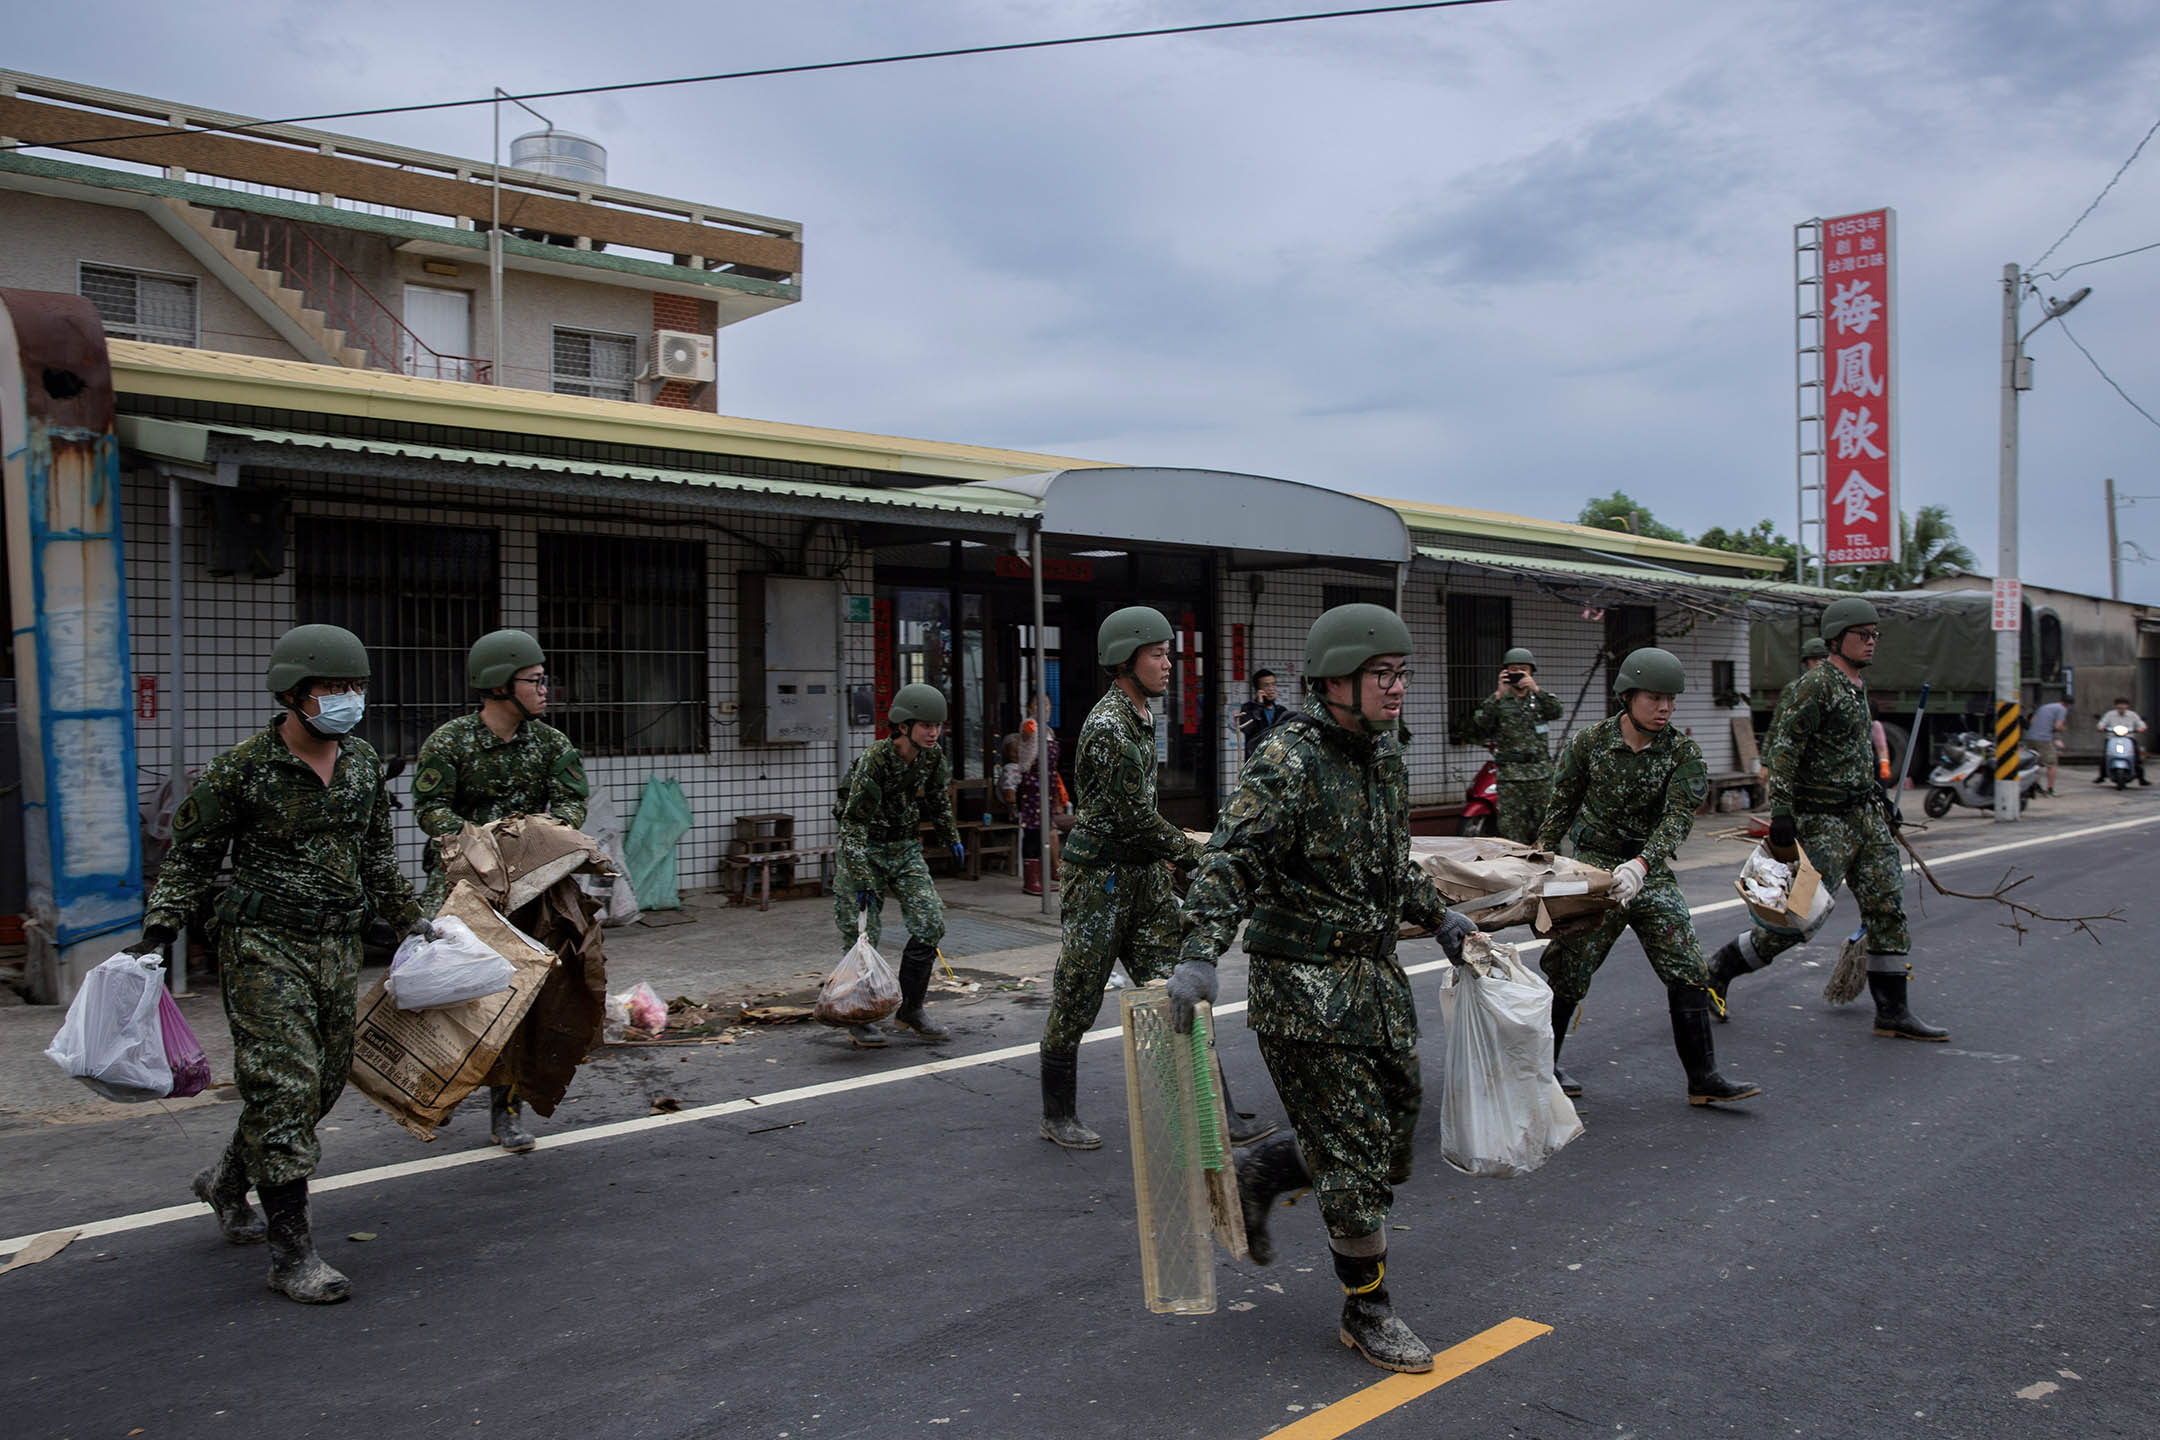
pixel 2058 274
pixel 2096 199
pixel 770 70
pixel 2107 377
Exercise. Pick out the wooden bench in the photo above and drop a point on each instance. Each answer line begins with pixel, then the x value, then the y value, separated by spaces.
pixel 1736 780
pixel 763 863
pixel 998 838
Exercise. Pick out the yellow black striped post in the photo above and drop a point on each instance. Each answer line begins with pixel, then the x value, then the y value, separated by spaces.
pixel 2009 738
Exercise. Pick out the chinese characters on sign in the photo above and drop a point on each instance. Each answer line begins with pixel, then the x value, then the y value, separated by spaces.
pixel 1860 525
pixel 2009 603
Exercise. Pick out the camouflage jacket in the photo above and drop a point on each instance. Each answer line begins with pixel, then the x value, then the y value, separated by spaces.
pixel 1822 747
pixel 1114 771
pixel 1516 727
pixel 1626 802
pixel 467 773
pixel 889 798
pixel 299 844
pixel 1315 848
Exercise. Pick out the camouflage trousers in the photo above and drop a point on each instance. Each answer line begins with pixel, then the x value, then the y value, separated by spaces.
pixel 895 869
pixel 1853 847
pixel 291 1001
pixel 1354 1109
pixel 1522 806
pixel 1109 913
pixel 1659 917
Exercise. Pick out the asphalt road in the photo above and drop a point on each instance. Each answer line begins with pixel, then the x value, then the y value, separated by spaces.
pixel 1928 1240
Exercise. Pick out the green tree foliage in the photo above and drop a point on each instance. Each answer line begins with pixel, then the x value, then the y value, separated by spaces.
pixel 1761 539
pixel 1618 512
pixel 1928 548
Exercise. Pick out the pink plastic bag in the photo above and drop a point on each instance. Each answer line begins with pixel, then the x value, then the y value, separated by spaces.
pixel 190 1067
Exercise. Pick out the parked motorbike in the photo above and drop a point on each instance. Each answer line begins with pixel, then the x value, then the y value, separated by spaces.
pixel 1481 802
pixel 2118 762
pixel 1963 775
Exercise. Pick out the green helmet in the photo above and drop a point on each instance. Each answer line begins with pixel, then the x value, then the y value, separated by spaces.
pixel 1844 614
pixel 918 704
pixel 1349 635
pixel 498 655
pixel 1816 648
pixel 1519 656
pixel 1127 630
pixel 1652 669
pixel 315 652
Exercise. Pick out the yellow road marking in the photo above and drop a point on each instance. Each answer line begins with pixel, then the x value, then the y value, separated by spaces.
pixel 1378 1399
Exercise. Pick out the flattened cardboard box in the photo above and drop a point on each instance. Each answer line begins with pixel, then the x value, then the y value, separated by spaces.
pixel 1799 898
pixel 418 1064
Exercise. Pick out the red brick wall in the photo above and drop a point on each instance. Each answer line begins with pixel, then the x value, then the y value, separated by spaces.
pixel 696 317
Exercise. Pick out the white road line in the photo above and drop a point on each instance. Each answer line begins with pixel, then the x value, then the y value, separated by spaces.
pixel 144 1219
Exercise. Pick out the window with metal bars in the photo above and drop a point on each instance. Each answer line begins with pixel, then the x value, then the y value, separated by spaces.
pixel 623 624
pixel 1480 629
pixel 417 596
pixel 590 363
pixel 139 306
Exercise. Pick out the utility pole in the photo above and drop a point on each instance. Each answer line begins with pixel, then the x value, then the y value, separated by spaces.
pixel 2015 377
pixel 2114 547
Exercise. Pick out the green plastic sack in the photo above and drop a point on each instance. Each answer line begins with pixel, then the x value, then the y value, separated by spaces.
pixel 663 815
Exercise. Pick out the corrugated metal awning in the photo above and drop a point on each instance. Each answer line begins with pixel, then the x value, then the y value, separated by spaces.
pixel 1590 582
pixel 1257 518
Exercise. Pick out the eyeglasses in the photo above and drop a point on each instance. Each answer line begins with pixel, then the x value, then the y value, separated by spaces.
pixel 1869 635
pixel 538 682
pixel 338 687
pixel 1389 679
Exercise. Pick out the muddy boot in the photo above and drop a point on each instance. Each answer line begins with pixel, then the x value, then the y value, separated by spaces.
pixel 1728 965
pixel 1691 1037
pixel 1244 1129
pixel 223 1187
pixel 296 1271
pixel 916 963
pixel 1892 1015
pixel 1369 1323
pixel 504 1128
pixel 1060 1085
pixel 1563 1013
pixel 1265 1173
pixel 865 1037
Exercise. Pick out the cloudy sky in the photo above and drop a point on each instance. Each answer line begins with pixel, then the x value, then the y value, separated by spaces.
pixel 1510 255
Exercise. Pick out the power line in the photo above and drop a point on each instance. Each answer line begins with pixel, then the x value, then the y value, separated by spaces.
pixel 2058 274
pixel 2107 377
pixel 2096 199
pixel 804 69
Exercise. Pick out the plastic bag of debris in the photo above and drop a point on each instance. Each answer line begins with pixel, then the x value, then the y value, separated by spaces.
pixel 1503 1114
pixel 183 1052
pixel 635 1014
pixel 455 967
pixel 111 1039
pixel 863 990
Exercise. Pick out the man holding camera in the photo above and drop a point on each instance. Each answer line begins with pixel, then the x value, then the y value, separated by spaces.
pixel 1517 722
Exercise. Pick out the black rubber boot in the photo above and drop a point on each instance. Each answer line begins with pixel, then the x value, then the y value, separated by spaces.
pixel 504 1128
pixel 296 1271
pixel 223 1187
pixel 1369 1323
pixel 1244 1129
pixel 1060 1084
pixel 1563 1012
pixel 1691 1037
pixel 866 1037
pixel 1893 1017
pixel 1265 1173
pixel 1728 965
pixel 916 963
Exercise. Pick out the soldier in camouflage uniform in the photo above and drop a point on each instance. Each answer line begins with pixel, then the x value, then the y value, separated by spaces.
pixel 1627 791
pixel 1516 721
pixel 302 806
pixel 1315 849
pixel 1812 654
pixel 499 761
pixel 893 787
pixel 1825 799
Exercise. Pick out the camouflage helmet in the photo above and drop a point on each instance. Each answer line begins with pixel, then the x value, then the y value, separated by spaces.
pixel 1652 669
pixel 1347 636
pixel 315 652
pixel 498 655
pixel 1844 614
pixel 917 704
pixel 1127 630
pixel 1519 656
pixel 1816 648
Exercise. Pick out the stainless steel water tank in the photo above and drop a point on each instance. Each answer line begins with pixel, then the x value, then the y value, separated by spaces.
pixel 561 154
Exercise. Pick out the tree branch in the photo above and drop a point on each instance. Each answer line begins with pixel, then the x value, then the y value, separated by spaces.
pixel 2019 912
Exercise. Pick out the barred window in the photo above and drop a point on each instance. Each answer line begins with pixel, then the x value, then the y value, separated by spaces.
pixel 623 624
pixel 602 366
pixel 1480 629
pixel 417 596
pixel 136 306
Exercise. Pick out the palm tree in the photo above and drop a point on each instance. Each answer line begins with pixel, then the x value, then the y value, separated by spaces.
pixel 1928 548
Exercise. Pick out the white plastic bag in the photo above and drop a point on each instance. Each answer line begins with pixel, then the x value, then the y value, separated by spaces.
pixel 111 1039
pixel 1503 1113
pixel 863 990
pixel 455 967
pixel 634 1014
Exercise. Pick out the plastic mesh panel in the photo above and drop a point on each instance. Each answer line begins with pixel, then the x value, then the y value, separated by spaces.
pixel 1177 1259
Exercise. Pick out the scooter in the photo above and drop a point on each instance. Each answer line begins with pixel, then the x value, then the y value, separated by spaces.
pixel 1961 775
pixel 1481 802
pixel 2119 760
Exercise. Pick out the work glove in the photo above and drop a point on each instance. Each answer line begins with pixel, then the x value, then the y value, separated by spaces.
pixel 1455 927
pixel 959 852
pixel 1627 881
pixel 155 940
pixel 862 899
pixel 1783 834
pixel 424 928
pixel 1192 982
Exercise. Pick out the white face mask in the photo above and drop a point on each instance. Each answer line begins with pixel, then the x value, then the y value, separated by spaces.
pixel 339 713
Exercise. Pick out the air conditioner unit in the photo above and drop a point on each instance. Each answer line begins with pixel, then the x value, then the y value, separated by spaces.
pixel 678 355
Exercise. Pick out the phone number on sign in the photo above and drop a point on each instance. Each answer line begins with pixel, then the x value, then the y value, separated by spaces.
pixel 1859 555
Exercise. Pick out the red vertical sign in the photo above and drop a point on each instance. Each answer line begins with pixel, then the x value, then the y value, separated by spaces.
pixel 1237 651
pixel 1191 646
pixel 1860 518
pixel 881 617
